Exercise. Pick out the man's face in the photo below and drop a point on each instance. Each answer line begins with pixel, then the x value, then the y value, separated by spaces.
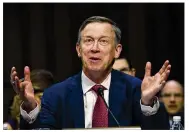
pixel 122 65
pixel 172 97
pixel 97 48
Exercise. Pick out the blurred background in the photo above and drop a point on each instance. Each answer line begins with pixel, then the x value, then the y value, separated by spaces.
pixel 43 36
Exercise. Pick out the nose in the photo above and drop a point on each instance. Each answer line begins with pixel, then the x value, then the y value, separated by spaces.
pixel 172 98
pixel 95 47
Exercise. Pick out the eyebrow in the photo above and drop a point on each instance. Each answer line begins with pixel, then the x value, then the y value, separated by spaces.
pixel 175 94
pixel 87 36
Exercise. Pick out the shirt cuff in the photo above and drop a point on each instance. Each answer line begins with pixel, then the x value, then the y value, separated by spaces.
pixel 148 110
pixel 31 116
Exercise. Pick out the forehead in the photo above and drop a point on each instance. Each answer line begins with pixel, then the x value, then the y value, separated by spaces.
pixel 121 63
pixel 172 87
pixel 97 29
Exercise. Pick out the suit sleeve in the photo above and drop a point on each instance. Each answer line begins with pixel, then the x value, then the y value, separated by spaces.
pixel 49 116
pixel 24 125
pixel 158 121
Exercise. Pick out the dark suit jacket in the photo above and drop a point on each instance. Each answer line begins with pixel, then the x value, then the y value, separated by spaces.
pixel 63 105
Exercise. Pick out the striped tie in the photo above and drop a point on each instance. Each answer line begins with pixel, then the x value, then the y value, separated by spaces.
pixel 100 113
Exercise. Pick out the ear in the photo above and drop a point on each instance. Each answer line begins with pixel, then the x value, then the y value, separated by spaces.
pixel 78 49
pixel 133 71
pixel 118 50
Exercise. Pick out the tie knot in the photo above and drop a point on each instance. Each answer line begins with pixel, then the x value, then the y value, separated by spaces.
pixel 96 87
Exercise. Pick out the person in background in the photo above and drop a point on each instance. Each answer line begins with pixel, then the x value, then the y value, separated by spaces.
pixel 41 79
pixel 122 64
pixel 77 102
pixel 172 95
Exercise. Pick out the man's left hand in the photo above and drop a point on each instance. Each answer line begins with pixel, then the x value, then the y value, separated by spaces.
pixel 151 85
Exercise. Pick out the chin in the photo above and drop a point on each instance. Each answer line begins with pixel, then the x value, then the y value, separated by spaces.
pixel 94 69
pixel 172 112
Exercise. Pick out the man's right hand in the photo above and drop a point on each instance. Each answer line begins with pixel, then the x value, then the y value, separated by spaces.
pixel 24 88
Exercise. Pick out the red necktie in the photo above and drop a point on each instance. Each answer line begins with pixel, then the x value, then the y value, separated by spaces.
pixel 100 112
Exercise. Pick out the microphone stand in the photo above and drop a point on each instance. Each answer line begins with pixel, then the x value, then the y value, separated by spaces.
pixel 101 93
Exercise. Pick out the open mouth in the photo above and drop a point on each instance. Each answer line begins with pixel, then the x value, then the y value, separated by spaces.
pixel 172 106
pixel 94 59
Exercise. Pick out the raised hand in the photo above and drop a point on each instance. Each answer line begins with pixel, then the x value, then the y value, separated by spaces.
pixel 151 85
pixel 24 87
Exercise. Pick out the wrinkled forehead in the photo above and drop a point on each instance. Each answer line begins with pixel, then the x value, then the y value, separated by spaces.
pixel 97 29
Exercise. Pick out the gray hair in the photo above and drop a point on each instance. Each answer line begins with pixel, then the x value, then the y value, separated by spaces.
pixel 100 19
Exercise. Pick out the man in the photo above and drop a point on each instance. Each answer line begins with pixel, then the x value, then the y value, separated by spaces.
pixel 77 102
pixel 41 79
pixel 123 65
pixel 172 96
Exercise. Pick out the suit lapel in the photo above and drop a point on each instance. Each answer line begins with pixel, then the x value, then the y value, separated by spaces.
pixel 116 96
pixel 77 103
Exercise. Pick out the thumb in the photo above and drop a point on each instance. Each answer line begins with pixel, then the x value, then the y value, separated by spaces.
pixel 27 74
pixel 148 69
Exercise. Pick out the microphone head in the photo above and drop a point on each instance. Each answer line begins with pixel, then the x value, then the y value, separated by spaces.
pixel 101 92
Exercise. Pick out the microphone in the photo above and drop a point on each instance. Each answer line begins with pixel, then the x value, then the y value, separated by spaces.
pixel 100 92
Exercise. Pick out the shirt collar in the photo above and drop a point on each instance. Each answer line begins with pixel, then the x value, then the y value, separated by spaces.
pixel 87 83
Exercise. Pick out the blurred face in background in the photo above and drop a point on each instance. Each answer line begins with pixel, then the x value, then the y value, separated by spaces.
pixel 123 65
pixel 172 97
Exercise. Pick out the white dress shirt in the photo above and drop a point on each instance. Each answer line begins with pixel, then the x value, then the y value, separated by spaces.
pixel 90 98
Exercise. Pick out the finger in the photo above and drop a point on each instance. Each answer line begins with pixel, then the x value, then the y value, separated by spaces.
pixel 12 70
pixel 13 73
pixel 26 88
pixel 165 75
pixel 16 87
pixel 23 85
pixel 12 79
pixel 22 89
pixel 27 74
pixel 158 84
pixel 163 68
pixel 161 85
pixel 168 68
pixel 148 69
pixel 157 79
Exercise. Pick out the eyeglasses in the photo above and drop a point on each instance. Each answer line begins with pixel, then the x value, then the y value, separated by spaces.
pixel 90 41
